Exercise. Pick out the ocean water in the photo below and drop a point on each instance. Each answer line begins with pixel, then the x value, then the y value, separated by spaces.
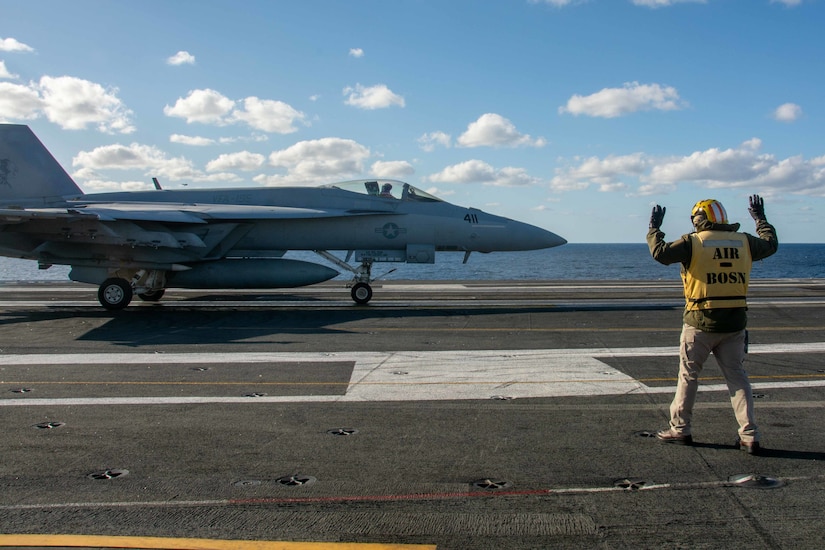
pixel 568 262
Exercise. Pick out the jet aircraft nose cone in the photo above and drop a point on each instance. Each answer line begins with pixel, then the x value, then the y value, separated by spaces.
pixel 504 234
pixel 557 240
pixel 531 237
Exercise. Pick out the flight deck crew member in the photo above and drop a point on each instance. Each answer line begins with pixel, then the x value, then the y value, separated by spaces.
pixel 716 264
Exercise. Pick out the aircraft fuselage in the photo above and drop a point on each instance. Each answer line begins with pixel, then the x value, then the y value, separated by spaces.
pixel 366 222
pixel 143 242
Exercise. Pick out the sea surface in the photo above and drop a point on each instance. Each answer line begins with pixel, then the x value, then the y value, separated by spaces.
pixel 568 262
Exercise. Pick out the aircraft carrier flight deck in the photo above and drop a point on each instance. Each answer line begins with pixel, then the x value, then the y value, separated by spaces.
pixel 443 414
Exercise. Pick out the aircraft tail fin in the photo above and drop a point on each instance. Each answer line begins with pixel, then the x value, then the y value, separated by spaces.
pixel 28 172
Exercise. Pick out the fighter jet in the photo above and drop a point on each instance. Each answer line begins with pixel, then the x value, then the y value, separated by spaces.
pixel 143 242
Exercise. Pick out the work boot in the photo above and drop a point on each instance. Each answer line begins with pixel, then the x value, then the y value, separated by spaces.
pixel 669 436
pixel 750 447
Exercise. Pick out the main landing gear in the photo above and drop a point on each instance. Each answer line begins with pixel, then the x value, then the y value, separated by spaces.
pixel 116 293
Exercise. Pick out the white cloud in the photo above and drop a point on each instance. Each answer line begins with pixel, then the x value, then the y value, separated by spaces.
pixel 134 156
pixel 211 107
pixel 632 97
pixel 252 138
pixel 477 171
pixel 664 3
pixel 74 104
pixel 149 159
pixel 98 185
pixel 191 140
pixel 713 166
pixel 604 172
pixel 12 45
pixel 4 72
pixel 204 106
pixel 645 3
pixel 428 141
pixel 268 115
pixel 181 58
pixel 612 187
pixel 119 157
pixel 787 112
pixel 317 161
pixel 740 167
pixel 557 3
pixel 392 169
pixel 494 130
pixel 243 160
pixel 373 97
pixel 356 52
pixel 789 3
pixel 19 102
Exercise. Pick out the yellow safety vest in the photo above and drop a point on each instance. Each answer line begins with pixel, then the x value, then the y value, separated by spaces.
pixel 719 270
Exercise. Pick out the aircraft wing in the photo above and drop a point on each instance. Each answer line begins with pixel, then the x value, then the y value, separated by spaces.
pixel 173 213
pixel 18 215
pixel 203 213
pixel 106 214
pixel 159 233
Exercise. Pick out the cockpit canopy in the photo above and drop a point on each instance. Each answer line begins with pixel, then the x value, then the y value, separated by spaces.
pixel 388 189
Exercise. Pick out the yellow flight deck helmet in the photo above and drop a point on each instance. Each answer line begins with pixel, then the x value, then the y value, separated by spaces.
pixel 712 209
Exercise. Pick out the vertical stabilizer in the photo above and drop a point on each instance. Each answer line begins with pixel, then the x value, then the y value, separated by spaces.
pixel 28 172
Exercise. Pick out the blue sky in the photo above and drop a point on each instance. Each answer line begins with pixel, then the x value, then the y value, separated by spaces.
pixel 576 116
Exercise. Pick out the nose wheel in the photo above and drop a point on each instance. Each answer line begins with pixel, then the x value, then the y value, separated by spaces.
pixel 361 293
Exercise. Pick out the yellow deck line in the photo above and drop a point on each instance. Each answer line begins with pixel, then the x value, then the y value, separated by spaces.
pixel 101 541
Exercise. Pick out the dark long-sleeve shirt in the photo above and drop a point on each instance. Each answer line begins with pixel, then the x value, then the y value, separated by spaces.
pixel 719 319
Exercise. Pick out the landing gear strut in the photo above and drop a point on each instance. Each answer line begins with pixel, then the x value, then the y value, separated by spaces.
pixel 361 290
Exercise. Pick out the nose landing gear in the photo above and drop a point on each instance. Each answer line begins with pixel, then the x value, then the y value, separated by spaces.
pixel 361 293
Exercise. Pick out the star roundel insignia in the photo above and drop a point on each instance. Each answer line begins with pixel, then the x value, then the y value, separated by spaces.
pixel 390 230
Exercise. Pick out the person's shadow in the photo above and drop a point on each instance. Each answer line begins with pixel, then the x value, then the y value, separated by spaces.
pixel 767 452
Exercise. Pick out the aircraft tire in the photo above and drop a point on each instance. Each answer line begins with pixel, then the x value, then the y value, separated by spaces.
pixel 361 293
pixel 114 294
pixel 152 295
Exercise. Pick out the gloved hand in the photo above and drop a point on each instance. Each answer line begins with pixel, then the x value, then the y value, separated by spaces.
pixel 757 208
pixel 657 216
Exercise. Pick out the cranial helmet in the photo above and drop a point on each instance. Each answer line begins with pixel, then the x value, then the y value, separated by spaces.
pixel 712 210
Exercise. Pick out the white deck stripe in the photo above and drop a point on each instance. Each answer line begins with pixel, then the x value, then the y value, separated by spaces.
pixel 420 375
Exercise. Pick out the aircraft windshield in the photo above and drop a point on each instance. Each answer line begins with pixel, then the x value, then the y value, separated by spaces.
pixel 388 189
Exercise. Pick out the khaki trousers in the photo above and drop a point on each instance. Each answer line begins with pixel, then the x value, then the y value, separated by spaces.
pixel 729 350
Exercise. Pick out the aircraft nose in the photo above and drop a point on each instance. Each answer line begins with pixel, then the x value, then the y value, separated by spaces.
pixel 498 233
pixel 530 237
